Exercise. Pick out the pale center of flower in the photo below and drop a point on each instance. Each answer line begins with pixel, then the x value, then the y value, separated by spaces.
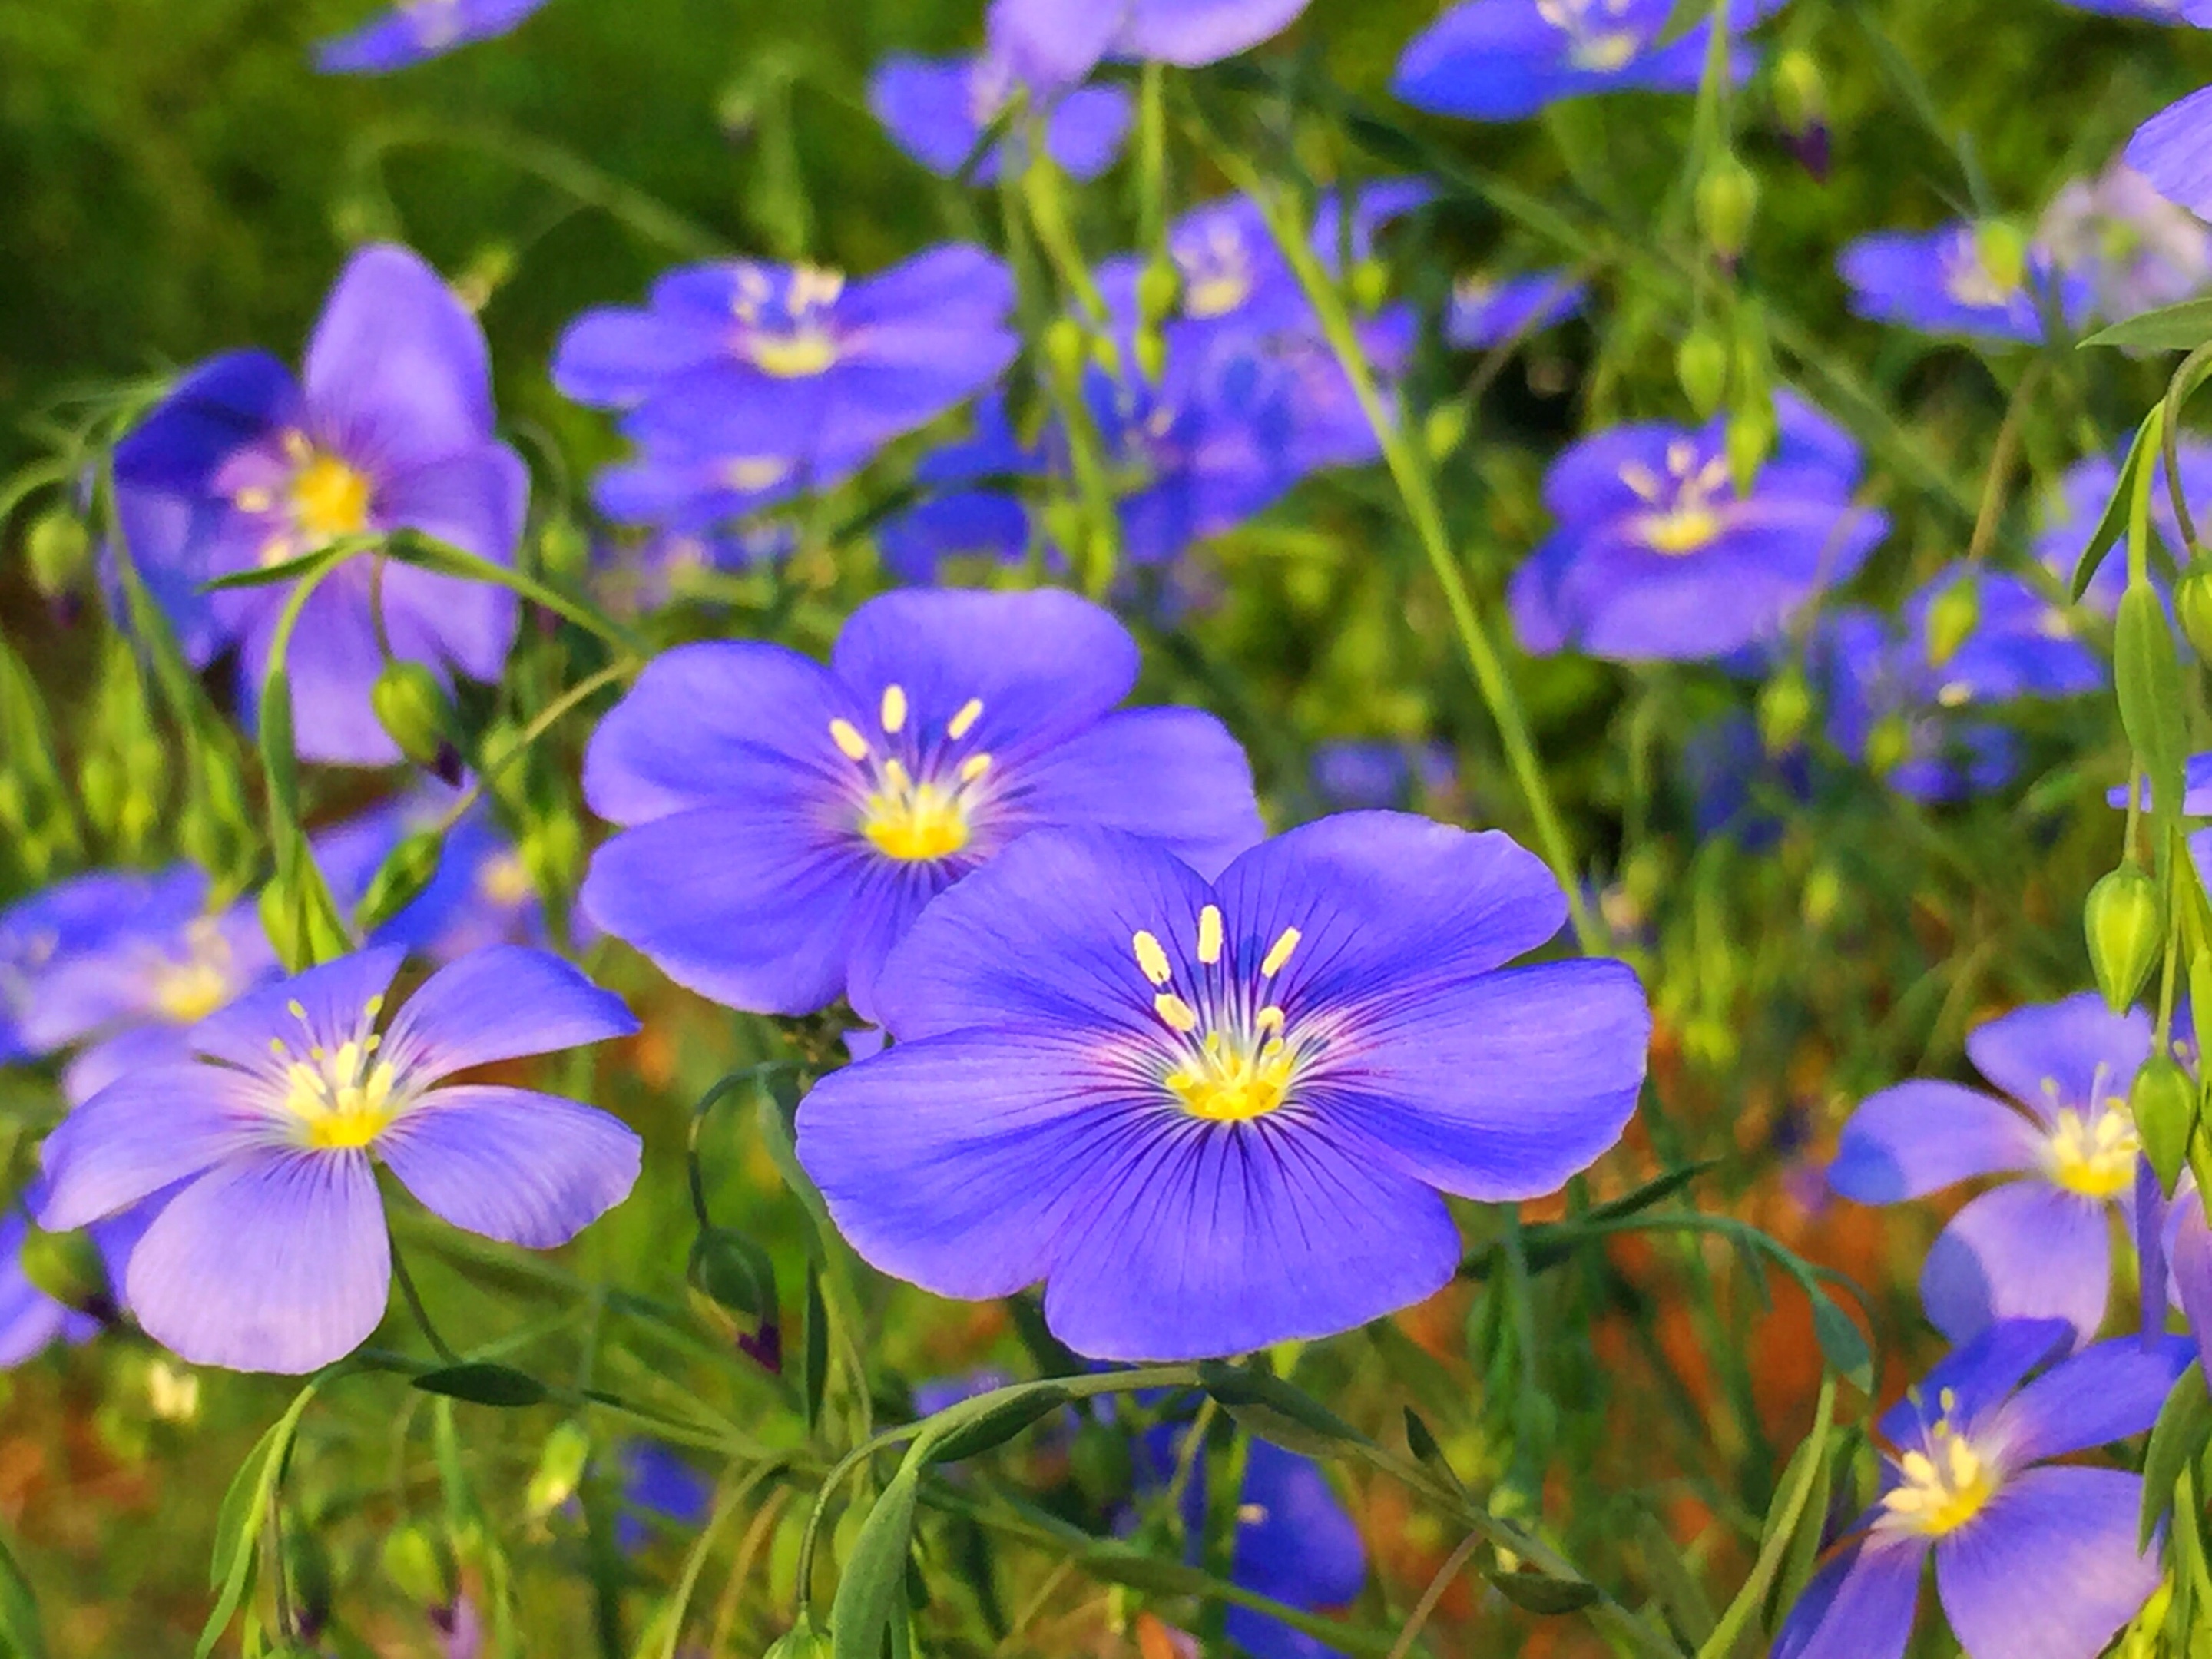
pixel 2095 1156
pixel 1968 280
pixel 1683 517
pixel 1217 276
pixel 1942 1488
pixel 1245 1064
pixel 790 334
pixel 1597 40
pixel 329 499
pixel 344 1097
pixel 187 992
pixel 505 880
pixel 925 811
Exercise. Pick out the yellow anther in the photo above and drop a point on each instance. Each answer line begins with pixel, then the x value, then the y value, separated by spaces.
pixel 1270 1020
pixel 296 1009
pixel 1937 1495
pixel 894 709
pixel 1278 953
pixel 964 722
pixel 973 768
pixel 1153 959
pixel 847 737
pixel 253 501
pixel 1178 1014
pixel 794 356
pixel 1209 934
pixel 330 499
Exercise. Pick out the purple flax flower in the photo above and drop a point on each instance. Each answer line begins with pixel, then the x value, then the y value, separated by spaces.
pixel 938 110
pixel 792 364
pixel 1961 281
pixel 1658 555
pixel 968 515
pixel 48 928
pixel 785 823
pixel 660 1489
pixel 2137 250
pixel 2173 150
pixel 2195 800
pixel 2030 1558
pixel 416 30
pixel 1295 1545
pixel 1499 60
pixel 2072 511
pixel 1738 788
pixel 1215 1115
pixel 271 1255
pixel 392 428
pixel 2033 1247
pixel 1485 315
pixel 695 490
pixel 1057 42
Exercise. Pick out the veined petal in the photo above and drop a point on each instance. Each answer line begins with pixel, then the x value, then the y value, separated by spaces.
pixel 528 1168
pixel 1859 1606
pixel 1920 1137
pixel 1174 774
pixel 2050 1569
pixel 2062 1054
pixel 2190 1249
pixel 2027 1250
pixel 2109 1391
pixel 503 1002
pixel 277 1261
pixel 332 1002
pixel 1193 32
pixel 1978 1376
pixel 2173 150
pixel 397 373
pixel 145 1131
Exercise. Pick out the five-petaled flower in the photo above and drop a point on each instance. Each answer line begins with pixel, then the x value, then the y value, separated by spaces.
pixel 392 427
pixel 2036 1246
pixel 269 1252
pixel 785 822
pixel 2029 1560
pixel 1974 282
pixel 1212 1115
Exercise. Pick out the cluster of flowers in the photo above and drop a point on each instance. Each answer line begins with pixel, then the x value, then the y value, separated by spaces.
pixel 1209 1089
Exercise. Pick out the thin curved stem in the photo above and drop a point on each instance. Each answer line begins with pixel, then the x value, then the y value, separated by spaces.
pixel 1434 1593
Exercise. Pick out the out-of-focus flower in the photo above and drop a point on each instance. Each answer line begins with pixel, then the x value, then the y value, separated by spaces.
pixel 391 428
pixel 2173 150
pixel 2135 249
pixel 271 1254
pixel 460 1628
pixel 968 513
pixel 1349 776
pixel 1215 1115
pixel 1962 280
pixel 31 1320
pixel 790 368
pixel 659 1488
pixel 1658 556
pixel 416 30
pixel 2158 11
pixel 785 823
pixel 483 893
pixel 2071 513
pixel 1487 313
pixel 1057 42
pixel 1295 1545
pixel 2030 1556
pixel 2033 1248
pixel 640 576
pixel 2196 801
pixel 1737 788
pixel 1499 60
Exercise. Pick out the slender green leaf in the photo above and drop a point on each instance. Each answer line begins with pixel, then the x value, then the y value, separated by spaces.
pixel 1841 1343
pixel 1538 1593
pixel 2181 1432
pixel 814 1375
pixel 994 1428
pixel 244 1508
pixel 1424 1446
pixel 2114 522
pixel 871 1590
pixel 1275 1411
pixel 2172 328
pixel 481 1382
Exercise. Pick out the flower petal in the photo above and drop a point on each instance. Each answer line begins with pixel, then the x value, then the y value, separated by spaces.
pixel 2050 1570
pixel 397 373
pixel 1501 1088
pixel 1174 774
pixel 1978 1377
pixel 2109 1391
pixel 1195 32
pixel 30 1320
pixel 1859 1606
pixel 2062 1054
pixel 2189 1250
pixel 1921 1136
pixel 1300 1547
pixel 333 1003
pixel 503 1002
pixel 528 1168
pixel 2173 150
pixel 145 1131
pixel 278 1262
pixel 331 669
pixel 2027 1250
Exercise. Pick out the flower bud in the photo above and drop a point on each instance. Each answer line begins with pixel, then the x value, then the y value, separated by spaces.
pixel 2192 603
pixel 1159 290
pixel 1370 284
pixel 1800 94
pixel 1445 428
pixel 1728 201
pixel 1823 896
pixel 1785 708
pixel 1701 364
pixel 412 709
pixel 2126 928
pixel 564 552
pixel 65 1267
pixel 2003 251
pixel 801 1641
pixel 1068 349
pixel 1889 744
pixel 58 550
pixel 400 880
pixel 415 1563
pixel 1151 355
pixel 1751 434
pixel 1952 616
pixel 560 1468
pixel 2163 1103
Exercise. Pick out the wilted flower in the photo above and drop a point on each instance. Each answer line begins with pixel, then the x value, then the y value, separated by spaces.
pixel 1962 280
pixel 239 468
pixel 2036 1246
pixel 785 823
pixel 2173 150
pixel 415 30
pixel 270 1254
pixel 1484 313
pixel 1658 556
pixel 776 373
pixel 1215 1115
pixel 2029 1558
pixel 2135 249
pixel 1499 60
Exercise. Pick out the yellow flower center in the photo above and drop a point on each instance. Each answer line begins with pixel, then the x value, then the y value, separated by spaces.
pixel 1613 50
pixel 1685 529
pixel 1683 519
pixel 792 356
pixel 341 1097
pixel 505 880
pixel 1235 1077
pixel 329 499
pixel 916 820
pixel 1942 1488
pixel 1591 45
pixel 187 992
pixel 1245 1065
pixel 2095 1159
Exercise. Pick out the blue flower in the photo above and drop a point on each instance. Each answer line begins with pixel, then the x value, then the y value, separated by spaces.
pixel 2158 11
pixel 1215 1115
pixel 2173 150
pixel 2136 251
pixel 392 427
pixel 50 927
pixel 1295 1545
pixel 31 1321
pixel 963 516
pixel 1057 42
pixel 658 1487
pixel 483 893
pixel 1499 60
pixel 2035 1247
pixel 1485 315
pixel 270 1254
pixel 1960 280
pixel 2195 800
pixel 416 30
pixel 2030 1558
pixel 775 373
pixel 1738 788
pixel 1657 555
pixel 785 823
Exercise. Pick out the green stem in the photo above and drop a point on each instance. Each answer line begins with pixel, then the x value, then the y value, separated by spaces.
pixel 1721 1643
pixel 414 1298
